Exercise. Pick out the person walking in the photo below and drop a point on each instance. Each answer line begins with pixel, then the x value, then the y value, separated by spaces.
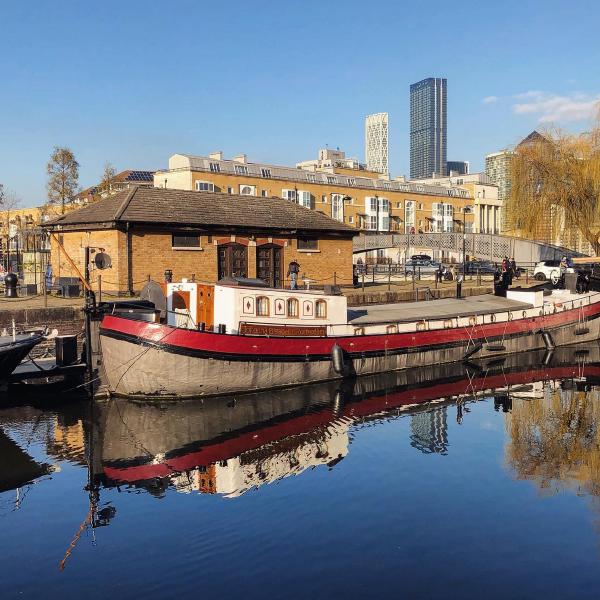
pixel 292 273
pixel 513 268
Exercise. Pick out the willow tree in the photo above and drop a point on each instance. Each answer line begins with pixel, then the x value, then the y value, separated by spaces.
pixel 555 186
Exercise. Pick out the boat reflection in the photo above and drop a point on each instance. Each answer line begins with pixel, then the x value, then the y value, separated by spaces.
pixel 228 446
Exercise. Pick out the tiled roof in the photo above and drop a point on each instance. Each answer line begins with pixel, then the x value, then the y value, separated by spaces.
pixel 210 209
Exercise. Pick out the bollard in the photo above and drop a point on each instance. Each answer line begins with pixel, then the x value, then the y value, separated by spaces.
pixel 10 285
pixel 363 280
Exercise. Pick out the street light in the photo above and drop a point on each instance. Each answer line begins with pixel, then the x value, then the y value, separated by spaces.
pixel 466 209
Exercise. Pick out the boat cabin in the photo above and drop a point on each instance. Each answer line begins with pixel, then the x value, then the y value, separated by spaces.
pixel 247 306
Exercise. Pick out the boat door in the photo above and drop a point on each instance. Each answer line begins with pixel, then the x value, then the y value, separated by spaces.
pixel 268 264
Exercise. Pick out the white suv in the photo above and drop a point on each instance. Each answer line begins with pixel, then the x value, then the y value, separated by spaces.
pixel 549 269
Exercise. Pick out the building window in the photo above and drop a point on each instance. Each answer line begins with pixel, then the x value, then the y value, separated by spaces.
pixel 331 179
pixel 241 169
pixel 205 186
pixel 308 243
pixel 351 181
pixel 263 193
pixel 248 190
pixel 262 306
pixel 371 222
pixel 292 307
pixel 350 219
pixel 185 241
pixel 311 178
pixel 215 168
pixel 337 207
pixel 230 190
pixel 265 172
pixel 324 199
pixel 398 204
pixel 305 199
pixel 409 216
pixel 420 207
pixel 289 195
pixel 321 309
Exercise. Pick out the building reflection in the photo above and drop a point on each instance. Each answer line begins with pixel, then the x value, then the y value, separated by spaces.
pixel 429 431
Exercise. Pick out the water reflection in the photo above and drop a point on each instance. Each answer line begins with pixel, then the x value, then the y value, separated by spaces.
pixel 229 446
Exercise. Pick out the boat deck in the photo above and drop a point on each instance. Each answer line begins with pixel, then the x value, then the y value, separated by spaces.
pixel 444 308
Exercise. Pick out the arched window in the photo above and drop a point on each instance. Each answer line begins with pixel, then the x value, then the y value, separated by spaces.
pixel 321 309
pixel 262 306
pixel 292 307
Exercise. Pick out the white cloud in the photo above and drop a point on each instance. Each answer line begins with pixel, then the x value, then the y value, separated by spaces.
pixel 490 99
pixel 556 108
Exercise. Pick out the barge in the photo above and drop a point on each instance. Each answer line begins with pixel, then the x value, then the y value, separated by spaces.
pixel 240 336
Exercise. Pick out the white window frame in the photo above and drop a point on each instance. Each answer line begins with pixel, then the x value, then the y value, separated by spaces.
pixel 409 215
pixel 266 173
pixel 245 185
pixel 240 169
pixel 305 198
pixel 290 195
pixel 215 167
pixel 337 207
pixel 210 186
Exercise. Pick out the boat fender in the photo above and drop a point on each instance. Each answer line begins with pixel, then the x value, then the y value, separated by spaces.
pixel 548 341
pixel 472 321
pixel 542 313
pixel 510 316
pixel 493 318
pixel 524 313
pixel 337 359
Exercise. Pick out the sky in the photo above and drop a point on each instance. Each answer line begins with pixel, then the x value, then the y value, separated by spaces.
pixel 132 83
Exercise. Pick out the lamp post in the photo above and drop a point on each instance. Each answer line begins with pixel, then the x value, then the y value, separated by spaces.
pixel 466 209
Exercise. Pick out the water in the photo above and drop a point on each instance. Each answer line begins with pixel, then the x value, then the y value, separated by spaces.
pixel 449 482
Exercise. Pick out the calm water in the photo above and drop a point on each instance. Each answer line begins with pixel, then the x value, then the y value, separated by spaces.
pixel 451 482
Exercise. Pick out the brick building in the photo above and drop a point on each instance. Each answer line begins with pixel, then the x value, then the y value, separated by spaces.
pixel 203 235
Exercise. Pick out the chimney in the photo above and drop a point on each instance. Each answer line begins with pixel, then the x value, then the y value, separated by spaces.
pixel 241 158
pixel 216 155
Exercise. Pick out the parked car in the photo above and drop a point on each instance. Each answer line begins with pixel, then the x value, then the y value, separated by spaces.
pixel 424 258
pixel 484 267
pixel 549 270
pixel 421 266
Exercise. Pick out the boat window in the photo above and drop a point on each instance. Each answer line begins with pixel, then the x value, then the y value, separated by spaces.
pixel 292 307
pixel 359 331
pixel 262 306
pixel 321 309
pixel 392 329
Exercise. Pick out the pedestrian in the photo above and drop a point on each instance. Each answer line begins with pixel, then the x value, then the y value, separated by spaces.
pixel 505 264
pixel 355 276
pixel 293 270
pixel 439 274
pixel 513 268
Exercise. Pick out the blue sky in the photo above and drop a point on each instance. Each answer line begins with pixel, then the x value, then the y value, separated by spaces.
pixel 134 82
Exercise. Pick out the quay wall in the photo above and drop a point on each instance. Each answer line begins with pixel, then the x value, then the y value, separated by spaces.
pixel 67 320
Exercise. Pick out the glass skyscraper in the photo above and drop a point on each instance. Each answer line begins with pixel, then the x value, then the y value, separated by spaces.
pixel 428 128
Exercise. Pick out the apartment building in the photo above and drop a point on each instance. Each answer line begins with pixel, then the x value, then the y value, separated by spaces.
pixel 486 206
pixel 346 192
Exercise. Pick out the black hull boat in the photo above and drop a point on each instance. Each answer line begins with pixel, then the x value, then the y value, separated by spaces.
pixel 13 349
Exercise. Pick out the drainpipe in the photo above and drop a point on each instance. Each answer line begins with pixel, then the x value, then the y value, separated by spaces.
pixel 128 256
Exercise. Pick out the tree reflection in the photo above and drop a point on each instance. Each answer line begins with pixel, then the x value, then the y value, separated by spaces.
pixel 555 440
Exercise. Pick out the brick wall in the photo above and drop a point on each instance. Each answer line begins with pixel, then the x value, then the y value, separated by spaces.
pixel 152 254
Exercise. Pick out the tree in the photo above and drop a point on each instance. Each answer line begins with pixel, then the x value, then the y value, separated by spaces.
pixel 555 181
pixel 63 177
pixel 108 178
pixel 8 201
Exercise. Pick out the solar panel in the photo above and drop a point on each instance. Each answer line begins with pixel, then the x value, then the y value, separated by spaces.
pixel 140 176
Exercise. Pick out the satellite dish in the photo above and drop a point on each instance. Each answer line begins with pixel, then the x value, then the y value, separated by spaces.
pixel 102 261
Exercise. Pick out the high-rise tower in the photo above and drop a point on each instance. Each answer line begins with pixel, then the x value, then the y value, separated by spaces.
pixel 376 142
pixel 428 128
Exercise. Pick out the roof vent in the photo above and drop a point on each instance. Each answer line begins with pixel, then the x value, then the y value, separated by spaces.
pixel 241 158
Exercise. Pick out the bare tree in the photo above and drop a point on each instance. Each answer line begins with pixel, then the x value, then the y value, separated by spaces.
pixel 8 201
pixel 108 178
pixel 63 177
pixel 555 181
